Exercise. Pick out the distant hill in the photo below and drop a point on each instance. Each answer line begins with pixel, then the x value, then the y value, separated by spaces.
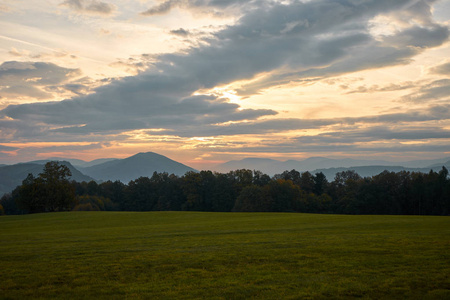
pixel 141 164
pixel 252 163
pixel 440 165
pixel 75 162
pixel 12 176
pixel 94 162
pixel 272 167
pixel 369 171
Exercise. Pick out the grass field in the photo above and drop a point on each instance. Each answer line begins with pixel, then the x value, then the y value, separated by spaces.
pixel 183 255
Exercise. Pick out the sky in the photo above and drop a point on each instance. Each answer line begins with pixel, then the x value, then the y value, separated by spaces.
pixel 208 81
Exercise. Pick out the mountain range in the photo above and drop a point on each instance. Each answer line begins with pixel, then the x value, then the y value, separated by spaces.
pixel 332 166
pixel 13 175
pixel 141 164
pixel 144 164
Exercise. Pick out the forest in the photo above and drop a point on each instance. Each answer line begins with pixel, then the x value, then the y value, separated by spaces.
pixel 389 193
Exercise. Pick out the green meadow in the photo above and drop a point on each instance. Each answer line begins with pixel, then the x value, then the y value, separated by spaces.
pixel 192 255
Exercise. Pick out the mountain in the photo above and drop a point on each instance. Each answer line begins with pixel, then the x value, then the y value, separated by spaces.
pixel 272 167
pixel 74 162
pixel 94 162
pixel 312 164
pixel 427 163
pixel 141 164
pixel 440 165
pixel 251 163
pixel 12 176
pixel 368 171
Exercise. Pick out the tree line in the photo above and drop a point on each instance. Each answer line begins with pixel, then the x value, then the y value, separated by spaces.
pixel 409 193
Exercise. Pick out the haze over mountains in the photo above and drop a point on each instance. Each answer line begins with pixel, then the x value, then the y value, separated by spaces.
pixel 141 164
pixel 332 166
pixel 13 175
pixel 144 164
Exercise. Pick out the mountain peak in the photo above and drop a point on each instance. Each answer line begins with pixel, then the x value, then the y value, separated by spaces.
pixel 138 165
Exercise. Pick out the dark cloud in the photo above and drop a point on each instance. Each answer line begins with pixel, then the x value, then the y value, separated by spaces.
pixel 139 111
pixel 438 90
pixel 180 32
pixel 294 147
pixel 38 72
pixel 212 7
pixel 376 133
pixel 50 149
pixel 90 7
pixel 7 148
pixel 300 29
pixel 162 8
pixel 433 113
pixel 419 12
pixel 378 138
pixel 443 69
pixel 419 37
pixel 422 91
pixel 287 42
pixel 18 79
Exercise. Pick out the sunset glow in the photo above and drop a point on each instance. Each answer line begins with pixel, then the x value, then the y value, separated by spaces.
pixel 204 82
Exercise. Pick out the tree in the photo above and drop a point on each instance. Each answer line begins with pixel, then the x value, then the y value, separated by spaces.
pixel 50 191
pixel 345 188
pixel 140 195
pixel 320 183
pixel 29 196
pixel 251 198
pixel 282 195
pixel 260 179
pixel 59 192
pixel 9 205
pixel 90 203
pixel 292 175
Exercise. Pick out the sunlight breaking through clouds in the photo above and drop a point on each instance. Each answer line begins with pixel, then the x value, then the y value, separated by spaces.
pixel 258 76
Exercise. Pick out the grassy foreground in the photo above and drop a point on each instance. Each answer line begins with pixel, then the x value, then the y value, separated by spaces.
pixel 183 255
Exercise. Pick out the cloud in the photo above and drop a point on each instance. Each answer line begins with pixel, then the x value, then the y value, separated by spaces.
pixel 420 37
pixel 319 39
pixel 395 138
pixel 92 7
pixel 438 90
pixel 7 148
pixel 4 8
pixel 376 133
pixel 30 79
pixel 180 32
pixel 140 111
pixel 50 149
pixel 162 8
pixel 211 7
pixel 134 65
pixel 443 69
pixel 418 12
pixel 18 53
pixel 296 147
pixel 388 88
pixel 41 56
pixel 423 91
pixel 47 151
pixel 277 125
pixel 281 43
